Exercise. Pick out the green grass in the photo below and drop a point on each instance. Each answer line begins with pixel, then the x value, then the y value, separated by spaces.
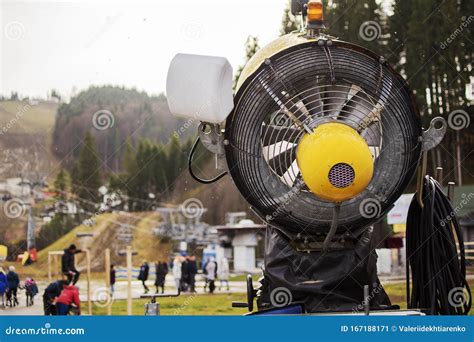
pixel 243 277
pixel 186 304
pixel 220 304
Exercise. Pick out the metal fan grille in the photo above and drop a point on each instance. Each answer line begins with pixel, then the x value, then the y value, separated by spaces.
pixel 296 90
pixel 339 102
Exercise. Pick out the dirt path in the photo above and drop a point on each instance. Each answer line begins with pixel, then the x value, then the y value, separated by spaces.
pixel 99 292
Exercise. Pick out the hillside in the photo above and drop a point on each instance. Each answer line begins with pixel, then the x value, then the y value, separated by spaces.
pixel 114 115
pixel 25 137
pixel 25 150
pixel 106 234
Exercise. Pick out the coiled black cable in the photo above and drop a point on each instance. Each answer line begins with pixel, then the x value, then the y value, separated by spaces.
pixel 438 270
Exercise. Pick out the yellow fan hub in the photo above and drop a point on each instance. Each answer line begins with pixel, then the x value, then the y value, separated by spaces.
pixel 335 162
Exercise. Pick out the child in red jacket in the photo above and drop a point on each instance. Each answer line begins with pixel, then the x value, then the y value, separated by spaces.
pixel 68 297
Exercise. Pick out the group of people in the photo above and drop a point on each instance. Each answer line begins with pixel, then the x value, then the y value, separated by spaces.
pixel 184 270
pixel 184 273
pixel 61 297
pixel 161 270
pixel 9 286
pixel 212 271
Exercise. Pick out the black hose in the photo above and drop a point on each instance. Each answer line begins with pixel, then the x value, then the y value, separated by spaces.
pixel 190 167
pixel 438 270
pixel 333 229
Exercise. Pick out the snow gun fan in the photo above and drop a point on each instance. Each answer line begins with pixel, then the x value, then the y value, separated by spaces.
pixel 321 138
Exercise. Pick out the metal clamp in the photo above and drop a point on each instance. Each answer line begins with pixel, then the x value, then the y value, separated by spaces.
pixel 432 137
pixel 213 140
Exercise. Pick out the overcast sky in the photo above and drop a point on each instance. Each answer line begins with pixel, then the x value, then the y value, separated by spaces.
pixel 66 45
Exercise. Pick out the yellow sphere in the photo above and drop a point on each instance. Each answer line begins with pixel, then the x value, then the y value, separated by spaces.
pixel 335 162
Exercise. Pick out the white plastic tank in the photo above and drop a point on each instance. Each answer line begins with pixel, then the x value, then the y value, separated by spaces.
pixel 200 87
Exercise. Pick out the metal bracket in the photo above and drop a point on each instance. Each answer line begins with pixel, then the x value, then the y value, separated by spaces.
pixel 213 140
pixel 434 135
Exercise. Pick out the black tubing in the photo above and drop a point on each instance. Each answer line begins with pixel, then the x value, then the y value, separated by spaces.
pixel 438 270
pixel 190 167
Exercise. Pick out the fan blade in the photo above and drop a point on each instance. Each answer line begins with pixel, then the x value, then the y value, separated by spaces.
pixel 313 101
pixel 301 112
pixel 272 134
pixel 334 98
pixel 361 113
pixel 298 122
pixel 289 178
pixel 372 134
pixel 271 151
pixel 352 96
pixel 282 162
pixel 299 182
pixel 356 108
pixel 370 118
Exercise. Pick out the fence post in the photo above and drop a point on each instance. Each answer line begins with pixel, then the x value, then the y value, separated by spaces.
pixel 88 265
pixel 49 268
pixel 107 281
pixel 129 280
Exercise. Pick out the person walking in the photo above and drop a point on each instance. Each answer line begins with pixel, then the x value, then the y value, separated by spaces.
pixel 204 271
pixel 185 274
pixel 112 279
pixel 68 298
pixel 161 270
pixel 211 272
pixel 68 264
pixel 192 270
pixel 3 286
pixel 224 273
pixel 13 281
pixel 31 289
pixel 143 275
pixel 177 272
pixel 52 291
